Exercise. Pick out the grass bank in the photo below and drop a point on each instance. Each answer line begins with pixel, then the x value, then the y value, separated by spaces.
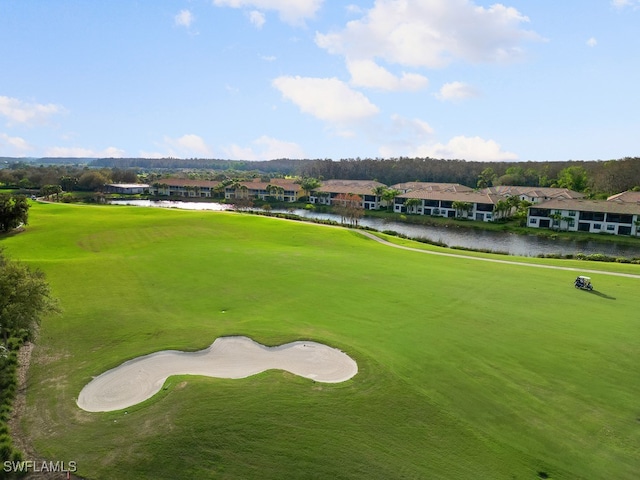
pixel 467 369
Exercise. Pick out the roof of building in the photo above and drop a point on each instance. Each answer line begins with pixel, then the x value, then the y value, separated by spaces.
pixel 628 197
pixel 582 205
pixel 471 196
pixel 128 185
pixel 533 192
pixel 186 182
pixel 286 183
pixel 356 187
pixel 431 186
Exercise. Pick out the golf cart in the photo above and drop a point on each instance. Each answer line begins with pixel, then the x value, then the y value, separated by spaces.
pixel 583 283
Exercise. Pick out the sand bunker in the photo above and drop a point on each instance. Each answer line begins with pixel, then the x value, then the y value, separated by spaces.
pixel 228 357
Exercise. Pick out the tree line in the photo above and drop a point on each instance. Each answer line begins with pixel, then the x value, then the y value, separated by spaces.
pixel 596 178
pixel 25 298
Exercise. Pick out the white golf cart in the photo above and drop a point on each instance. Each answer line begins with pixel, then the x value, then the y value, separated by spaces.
pixel 583 283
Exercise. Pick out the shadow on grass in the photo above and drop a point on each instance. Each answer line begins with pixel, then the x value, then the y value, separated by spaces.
pixel 603 295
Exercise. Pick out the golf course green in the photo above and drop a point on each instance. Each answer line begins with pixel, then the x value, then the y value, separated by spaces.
pixel 466 369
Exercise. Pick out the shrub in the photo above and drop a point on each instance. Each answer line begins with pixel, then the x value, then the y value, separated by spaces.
pixel 599 257
pixel 6 450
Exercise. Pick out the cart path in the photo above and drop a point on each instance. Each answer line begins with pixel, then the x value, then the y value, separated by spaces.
pixel 494 260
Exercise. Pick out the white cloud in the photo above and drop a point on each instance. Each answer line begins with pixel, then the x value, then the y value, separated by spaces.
pixel 592 42
pixel 110 152
pixel 265 148
pixel 402 136
pixel 187 146
pixel 326 98
pixel 465 148
pixel 353 9
pixel 415 127
pixel 290 11
pixel 367 73
pixel 431 34
pixel 14 145
pixel 456 91
pixel 17 111
pixel 184 19
pixel 257 18
pixel 625 3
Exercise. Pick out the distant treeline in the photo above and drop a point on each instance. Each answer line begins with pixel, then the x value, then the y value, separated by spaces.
pixel 597 178
pixel 600 177
pixel 284 166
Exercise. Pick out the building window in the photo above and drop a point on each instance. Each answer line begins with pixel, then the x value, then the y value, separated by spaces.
pixel 533 221
pixel 611 228
pixel 597 226
pixel 572 213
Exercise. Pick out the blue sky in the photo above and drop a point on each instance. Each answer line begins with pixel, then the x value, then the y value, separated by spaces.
pixel 264 79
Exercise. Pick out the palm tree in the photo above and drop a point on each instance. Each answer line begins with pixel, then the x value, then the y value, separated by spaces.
pixel 412 205
pixel 389 195
pixel 501 207
pixel 309 184
pixel 276 191
pixel 557 218
pixel 462 208
pixel 379 192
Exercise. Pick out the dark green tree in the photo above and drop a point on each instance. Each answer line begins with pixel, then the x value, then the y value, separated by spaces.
pixel 389 195
pixel 14 211
pixel 574 178
pixel 308 184
pixel 486 178
pixel 25 298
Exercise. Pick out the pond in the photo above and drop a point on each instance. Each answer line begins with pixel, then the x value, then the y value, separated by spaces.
pixel 502 242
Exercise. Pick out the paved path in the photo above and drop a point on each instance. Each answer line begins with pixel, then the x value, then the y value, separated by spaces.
pixel 494 260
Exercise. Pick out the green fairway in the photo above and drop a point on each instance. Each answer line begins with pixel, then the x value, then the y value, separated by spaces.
pixel 467 369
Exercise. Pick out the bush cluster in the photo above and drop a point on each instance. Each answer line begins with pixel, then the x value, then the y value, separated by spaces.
pixel 8 387
pixel 593 257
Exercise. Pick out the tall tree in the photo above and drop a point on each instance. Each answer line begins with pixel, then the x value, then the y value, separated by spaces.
pixel 486 178
pixel 389 195
pixel 574 178
pixel 308 184
pixel 14 211
pixel 349 207
pixel 25 298
pixel 412 205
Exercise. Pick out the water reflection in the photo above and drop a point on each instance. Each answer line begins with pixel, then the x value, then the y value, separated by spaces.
pixel 510 243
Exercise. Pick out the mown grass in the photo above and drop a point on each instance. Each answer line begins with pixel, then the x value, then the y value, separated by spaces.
pixel 467 369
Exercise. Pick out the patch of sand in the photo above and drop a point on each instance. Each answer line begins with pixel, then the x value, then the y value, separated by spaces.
pixel 228 357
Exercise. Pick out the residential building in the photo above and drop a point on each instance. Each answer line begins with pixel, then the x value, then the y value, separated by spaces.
pixel 330 189
pixel 448 203
pixel 126 188
pixel 628 197
pixel 533 194
pixel 431 186
pixel 283 189
pixel 596 216
pixel 184 187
